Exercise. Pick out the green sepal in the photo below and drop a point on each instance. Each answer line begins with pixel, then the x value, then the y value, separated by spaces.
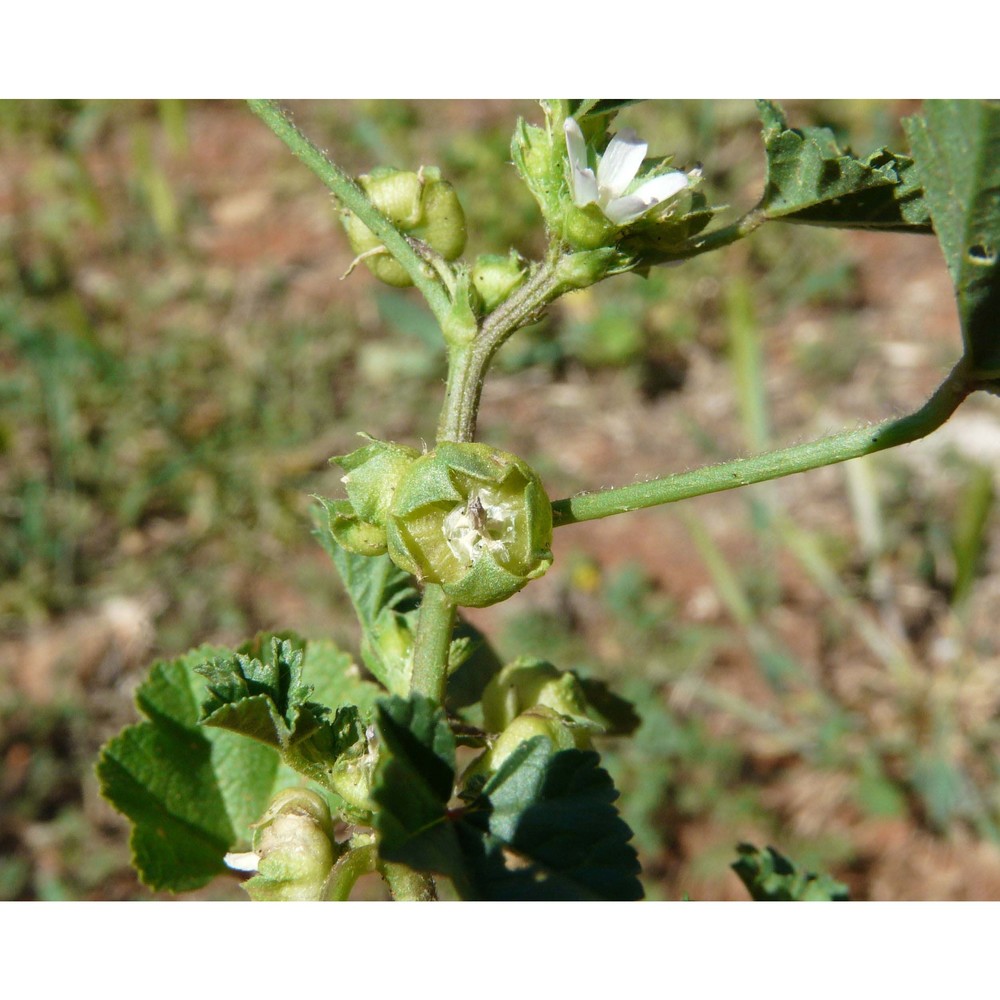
pixel 421 205
pixel 564 732
pixel 811 180
pixel 526 683
pixel 461 323
pixel 371 474
pixel 586 267
pixel 386 603
pixel 538 155
pixel 652 241
pixel 771 877
pixel 349 531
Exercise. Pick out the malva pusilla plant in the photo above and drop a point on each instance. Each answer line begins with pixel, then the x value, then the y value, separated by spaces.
pixel 284 759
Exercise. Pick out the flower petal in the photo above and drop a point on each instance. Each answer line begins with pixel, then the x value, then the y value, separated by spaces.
pixel 620 163
pixel 242 862
pixel 645 197
pixel 584 182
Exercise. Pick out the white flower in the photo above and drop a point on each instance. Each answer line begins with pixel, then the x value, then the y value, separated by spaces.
pixel 616 171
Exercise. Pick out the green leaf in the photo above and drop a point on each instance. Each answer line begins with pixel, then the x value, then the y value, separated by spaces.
pixel 336 680
pixel 413 785
pixel 190 793
pixel 542 827
pixel 957 148
pixel 550 831
pixel 811 180
pixel 264 697
pixel 771 877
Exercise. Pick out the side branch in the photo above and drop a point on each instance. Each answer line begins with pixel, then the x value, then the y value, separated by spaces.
pixel 352 197
pixel 775 464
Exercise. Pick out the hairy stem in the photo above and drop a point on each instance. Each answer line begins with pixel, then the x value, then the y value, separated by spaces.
pixel 775 464
pixel 468 365
pixel 432 643
pixel 423 273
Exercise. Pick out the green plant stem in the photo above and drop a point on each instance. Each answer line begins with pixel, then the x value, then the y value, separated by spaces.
pixel 468 365
pixel 423 273
pixel 349 868
pixel 432 643
pixel 408 885
pixel 775 464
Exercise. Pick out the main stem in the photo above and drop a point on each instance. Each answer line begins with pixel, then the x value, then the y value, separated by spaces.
pixel 468 363
pixel 775 464
pixel 467 366
pixel 432 644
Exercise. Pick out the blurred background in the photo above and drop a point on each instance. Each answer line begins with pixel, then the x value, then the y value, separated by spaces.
pixel 816 661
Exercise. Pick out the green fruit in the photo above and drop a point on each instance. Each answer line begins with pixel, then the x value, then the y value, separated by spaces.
pixel 539 721
pixel 473 519
pixel 294 841
pixel 420 205
pixel 527 683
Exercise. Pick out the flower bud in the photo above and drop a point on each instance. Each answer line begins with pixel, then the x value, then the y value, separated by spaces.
pixel 372 474
pixel 472 518
pixel 418 204
pixel 460 325
pixel 295 846
pixel 528 683
pixel 495 277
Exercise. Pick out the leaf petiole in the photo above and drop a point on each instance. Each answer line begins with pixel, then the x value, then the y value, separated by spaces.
pixel 774 464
